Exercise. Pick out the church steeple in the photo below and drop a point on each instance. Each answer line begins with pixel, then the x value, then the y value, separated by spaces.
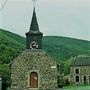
pixel 34 36
pixel 34 24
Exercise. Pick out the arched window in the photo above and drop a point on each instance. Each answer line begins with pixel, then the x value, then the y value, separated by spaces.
pixel 89 79
pixel 77 78
pixel 33 80
pixel 84 79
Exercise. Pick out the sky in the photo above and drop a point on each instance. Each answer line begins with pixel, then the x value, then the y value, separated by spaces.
pixel 68 18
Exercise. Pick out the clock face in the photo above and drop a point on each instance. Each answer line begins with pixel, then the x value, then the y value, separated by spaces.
pixel 33 45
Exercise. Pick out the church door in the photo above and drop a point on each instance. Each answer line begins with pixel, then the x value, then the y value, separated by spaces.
pixel 33 80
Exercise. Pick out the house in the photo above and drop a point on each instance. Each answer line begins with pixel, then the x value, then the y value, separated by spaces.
pixel 80 70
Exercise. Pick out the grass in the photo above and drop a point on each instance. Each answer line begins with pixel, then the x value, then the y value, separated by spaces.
pixel 76 88
pixel 73 88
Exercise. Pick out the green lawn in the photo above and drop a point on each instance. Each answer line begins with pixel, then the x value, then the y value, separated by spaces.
pixel 73 88
pixel 76 88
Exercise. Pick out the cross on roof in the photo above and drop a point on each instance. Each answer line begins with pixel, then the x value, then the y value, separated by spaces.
pixel 34 3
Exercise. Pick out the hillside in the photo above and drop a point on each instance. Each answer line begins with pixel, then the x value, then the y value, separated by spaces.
pixel 10 46
pixel 61 49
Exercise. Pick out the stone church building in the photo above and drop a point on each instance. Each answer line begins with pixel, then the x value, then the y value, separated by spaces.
pixel 80 70
pixel 34 68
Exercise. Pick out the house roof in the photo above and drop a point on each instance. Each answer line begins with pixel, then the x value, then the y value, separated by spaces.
pixel 81 61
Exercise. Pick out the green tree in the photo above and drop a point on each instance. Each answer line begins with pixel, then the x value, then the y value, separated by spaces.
pixel 67 64
pixel 5 73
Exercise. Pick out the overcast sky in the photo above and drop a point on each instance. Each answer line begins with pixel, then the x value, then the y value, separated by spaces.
pixel 69 18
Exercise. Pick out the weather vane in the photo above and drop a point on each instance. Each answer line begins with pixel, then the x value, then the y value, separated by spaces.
pixel 34 3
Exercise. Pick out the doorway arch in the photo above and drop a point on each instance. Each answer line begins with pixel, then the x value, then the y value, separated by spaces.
pixel 33 80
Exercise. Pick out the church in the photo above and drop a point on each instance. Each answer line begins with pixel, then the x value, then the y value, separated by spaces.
pixel 34 68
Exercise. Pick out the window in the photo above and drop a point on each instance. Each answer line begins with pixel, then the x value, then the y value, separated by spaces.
pixel 85 79
pixel 77 71
pixel 89 79
pixel 77 78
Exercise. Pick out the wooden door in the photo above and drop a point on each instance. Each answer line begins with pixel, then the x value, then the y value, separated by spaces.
pixel 33 80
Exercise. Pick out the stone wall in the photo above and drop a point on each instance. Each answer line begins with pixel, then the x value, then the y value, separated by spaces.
pixel 29 61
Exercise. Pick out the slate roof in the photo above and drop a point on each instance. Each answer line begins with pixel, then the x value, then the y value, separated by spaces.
pixel 34 27
pixel 81 61
pixel 34 24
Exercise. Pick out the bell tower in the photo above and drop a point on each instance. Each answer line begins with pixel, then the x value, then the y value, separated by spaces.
pixel 34 36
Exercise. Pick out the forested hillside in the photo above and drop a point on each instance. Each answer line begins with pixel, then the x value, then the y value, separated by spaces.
pixel 10 46
pixel 59 48
pixel 62 48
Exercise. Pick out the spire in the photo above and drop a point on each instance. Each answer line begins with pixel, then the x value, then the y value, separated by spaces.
pixel 34 36
pixel 34 24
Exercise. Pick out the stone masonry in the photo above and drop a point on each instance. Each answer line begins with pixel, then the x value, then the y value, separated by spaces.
pixel 37 61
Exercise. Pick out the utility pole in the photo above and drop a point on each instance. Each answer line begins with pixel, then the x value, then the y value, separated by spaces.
pixel 0 83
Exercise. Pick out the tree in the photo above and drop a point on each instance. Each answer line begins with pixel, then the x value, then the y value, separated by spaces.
pixel 5 74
